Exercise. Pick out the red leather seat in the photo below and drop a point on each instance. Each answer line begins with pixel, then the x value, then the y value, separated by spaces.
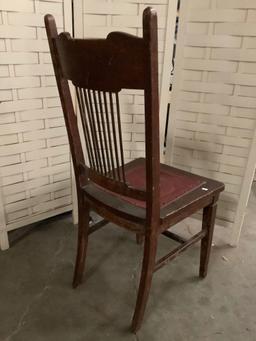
pixel 174 182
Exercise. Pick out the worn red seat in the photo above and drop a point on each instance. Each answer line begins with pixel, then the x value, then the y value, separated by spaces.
pixel 174 183
pixel 143 196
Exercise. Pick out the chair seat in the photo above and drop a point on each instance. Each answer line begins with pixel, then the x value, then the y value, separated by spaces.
pixel 174 183
pixel 178 190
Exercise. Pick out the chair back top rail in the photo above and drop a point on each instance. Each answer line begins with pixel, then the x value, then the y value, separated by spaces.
pixel 110 64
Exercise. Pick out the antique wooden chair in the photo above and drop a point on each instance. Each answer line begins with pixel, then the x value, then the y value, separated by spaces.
pixel 143 196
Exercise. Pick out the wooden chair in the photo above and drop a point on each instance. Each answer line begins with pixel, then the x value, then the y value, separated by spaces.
pixel 143 196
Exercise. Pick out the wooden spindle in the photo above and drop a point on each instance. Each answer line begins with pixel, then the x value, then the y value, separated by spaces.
pixel 109 135
pixel 85 127
pixel 114 135
pixel 103 162
pixel 120 135
pixel 104 134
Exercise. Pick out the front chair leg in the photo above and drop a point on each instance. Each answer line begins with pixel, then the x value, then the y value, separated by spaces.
pixel 150 246
pixel 209 214
pixel 83 227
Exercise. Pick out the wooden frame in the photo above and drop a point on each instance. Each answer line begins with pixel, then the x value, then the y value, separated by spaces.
pixel 167 65
pixel 245 193
pixel 104 189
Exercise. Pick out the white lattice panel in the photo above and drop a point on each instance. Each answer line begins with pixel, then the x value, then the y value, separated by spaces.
pixel 35 163
pixel 95 19
pixel 214 109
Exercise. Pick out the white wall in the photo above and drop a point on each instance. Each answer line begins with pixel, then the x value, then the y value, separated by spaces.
pixel 34 152
pixel 213 112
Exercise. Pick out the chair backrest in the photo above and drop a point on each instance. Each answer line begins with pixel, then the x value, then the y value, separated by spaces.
pixel 99 69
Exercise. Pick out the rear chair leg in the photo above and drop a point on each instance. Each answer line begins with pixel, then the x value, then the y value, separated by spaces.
pixel 139 238
pixel 83 227
pixel 148 265
pixel 209 214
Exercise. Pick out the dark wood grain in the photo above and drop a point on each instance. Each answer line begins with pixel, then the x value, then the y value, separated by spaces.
pixel 100 69
pixel 209 214
pixel 174 253
pixel 174 236
pixel 152 164
pixel 95 227
pixel 102 64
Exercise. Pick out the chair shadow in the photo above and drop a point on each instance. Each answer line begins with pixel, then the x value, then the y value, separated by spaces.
pixel 17 235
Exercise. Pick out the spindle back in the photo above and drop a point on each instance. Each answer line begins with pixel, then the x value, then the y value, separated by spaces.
pixel 99 69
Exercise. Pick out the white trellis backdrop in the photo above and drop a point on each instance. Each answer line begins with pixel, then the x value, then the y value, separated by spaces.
pixel 213 107
pixel 34 152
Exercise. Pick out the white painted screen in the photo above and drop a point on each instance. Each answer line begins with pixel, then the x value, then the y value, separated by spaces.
pixel 213 106
pixel 34 152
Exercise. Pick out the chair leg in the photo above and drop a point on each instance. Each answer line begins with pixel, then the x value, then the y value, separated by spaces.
pixel 139 238
pixel 83 227
pixel 209 214
pixel 150 246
